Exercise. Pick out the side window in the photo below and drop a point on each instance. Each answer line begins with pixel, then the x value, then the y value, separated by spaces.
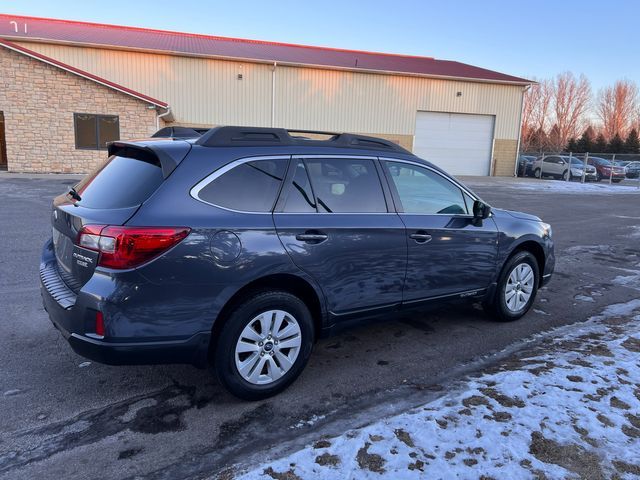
pixel 300 196
pixel 248 187
pixel 422 191
pixel 346 185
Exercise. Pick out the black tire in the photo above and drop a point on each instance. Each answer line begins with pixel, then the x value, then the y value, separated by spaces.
pixel 616 180
pixel 598 177
pixel 224 363
pixel 497 307
pixel 537 173
pixel 566 175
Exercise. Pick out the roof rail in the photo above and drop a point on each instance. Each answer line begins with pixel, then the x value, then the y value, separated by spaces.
pixel 263 137
pixel 178 131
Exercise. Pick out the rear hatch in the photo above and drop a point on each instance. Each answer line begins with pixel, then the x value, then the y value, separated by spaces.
pixel 110 195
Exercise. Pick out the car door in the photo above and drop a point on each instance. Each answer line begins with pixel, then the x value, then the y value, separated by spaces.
pixel 449 252
pixel 334 220
pixel 550 165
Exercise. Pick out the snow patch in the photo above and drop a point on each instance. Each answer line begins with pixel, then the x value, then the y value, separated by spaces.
pixel 309 422
pixel 566 409
pixel 554 186
pixel 584 298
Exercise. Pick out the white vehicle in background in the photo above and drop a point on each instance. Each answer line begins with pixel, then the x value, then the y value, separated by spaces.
pixel 563 166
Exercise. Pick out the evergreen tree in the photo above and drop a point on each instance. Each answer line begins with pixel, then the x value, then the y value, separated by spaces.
pixel 616 145
pixel 553 139
pixel 600 145
pixel 572 145
pixel 538 141
pixel 632 143
pixel 585 143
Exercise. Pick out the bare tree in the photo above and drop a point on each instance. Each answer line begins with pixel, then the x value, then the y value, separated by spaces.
pixel 535 112
pixel 571 102
pixel 618 108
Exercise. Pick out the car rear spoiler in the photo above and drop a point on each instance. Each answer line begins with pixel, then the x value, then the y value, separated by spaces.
pixel 167 155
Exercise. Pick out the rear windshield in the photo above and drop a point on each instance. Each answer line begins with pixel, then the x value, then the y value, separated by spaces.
pixel 119 182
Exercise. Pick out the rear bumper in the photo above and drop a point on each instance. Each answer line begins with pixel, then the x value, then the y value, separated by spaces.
pixel 192 351
pixel 69 315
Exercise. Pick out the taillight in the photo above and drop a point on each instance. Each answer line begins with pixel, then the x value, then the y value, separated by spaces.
pixel 128 247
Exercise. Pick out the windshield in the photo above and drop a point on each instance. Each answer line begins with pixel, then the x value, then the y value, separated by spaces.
pixel 576 161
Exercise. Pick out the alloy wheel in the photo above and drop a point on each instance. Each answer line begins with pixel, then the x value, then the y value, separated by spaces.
pixel 268 347
pixel 519 287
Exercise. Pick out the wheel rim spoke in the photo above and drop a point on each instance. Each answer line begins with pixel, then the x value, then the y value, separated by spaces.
pixel 293 342
pixel 273 369
pixel 265 323
pixel 277 324
pixel 244 347
pixel 246 367
pixel 255 374
pixel 249 333
pixel 288 331
pixel 285 363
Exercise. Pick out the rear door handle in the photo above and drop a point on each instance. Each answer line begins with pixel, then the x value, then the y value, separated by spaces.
pixel 311 237
pixel 420 237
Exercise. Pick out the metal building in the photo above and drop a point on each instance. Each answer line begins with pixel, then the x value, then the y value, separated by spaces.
pixel 463 118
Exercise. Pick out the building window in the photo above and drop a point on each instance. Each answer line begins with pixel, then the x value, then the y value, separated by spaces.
pixel 93 132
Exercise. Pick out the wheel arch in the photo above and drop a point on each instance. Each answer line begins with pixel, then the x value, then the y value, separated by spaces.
pixel 294 284
pixel 535 249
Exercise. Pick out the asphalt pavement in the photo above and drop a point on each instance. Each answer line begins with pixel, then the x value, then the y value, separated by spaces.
pixel 63 417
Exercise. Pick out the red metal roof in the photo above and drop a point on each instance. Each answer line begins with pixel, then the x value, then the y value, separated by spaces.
pixel 67 31
pixel 81 73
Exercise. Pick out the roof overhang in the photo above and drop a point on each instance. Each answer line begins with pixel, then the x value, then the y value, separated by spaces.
pixel 104 46
pixel 81 73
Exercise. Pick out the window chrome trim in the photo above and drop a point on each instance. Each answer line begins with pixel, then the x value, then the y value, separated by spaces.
pixel 446 177
pixel 335 157
pixel 195 190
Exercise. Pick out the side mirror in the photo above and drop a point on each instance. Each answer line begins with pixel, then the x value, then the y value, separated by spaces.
pixel 481 210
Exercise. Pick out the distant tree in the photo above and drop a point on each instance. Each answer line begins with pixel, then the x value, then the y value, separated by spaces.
pixel 535 112
pixel 600 144
pixel 572 145
pixel 554 139
pixel 571 100
pixel 585 143
pixel 616 144
pixel 537 141
pixel 632 142
pixel 617 107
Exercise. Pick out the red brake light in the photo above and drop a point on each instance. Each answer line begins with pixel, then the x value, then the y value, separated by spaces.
pixel 128 247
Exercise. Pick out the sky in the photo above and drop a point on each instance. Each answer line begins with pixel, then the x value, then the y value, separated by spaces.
pixel 535 39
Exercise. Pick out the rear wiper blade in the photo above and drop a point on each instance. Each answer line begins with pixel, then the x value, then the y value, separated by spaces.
pixel 75 195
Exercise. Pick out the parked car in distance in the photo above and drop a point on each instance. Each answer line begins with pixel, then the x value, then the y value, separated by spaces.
pixel 241 247
pixel 605 169
pixel 563 166
pixel 525 162
pixel 632 169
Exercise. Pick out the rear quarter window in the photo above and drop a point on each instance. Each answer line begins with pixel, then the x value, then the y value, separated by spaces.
pixel 119 182
pixel 249 187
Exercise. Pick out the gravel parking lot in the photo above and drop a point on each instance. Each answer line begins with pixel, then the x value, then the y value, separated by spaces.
pixel 67 418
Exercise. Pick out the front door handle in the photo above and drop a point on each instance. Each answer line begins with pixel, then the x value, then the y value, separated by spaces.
pixel 420 237
pixel 310 237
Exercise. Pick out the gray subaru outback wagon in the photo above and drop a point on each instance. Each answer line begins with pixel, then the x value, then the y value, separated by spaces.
pixel 239 248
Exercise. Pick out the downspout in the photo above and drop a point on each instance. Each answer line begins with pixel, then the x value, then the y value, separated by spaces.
pixel 273 94
pixel 158 117
pixel 515 168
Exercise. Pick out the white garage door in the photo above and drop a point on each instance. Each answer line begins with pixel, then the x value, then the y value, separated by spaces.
pixel 458 143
